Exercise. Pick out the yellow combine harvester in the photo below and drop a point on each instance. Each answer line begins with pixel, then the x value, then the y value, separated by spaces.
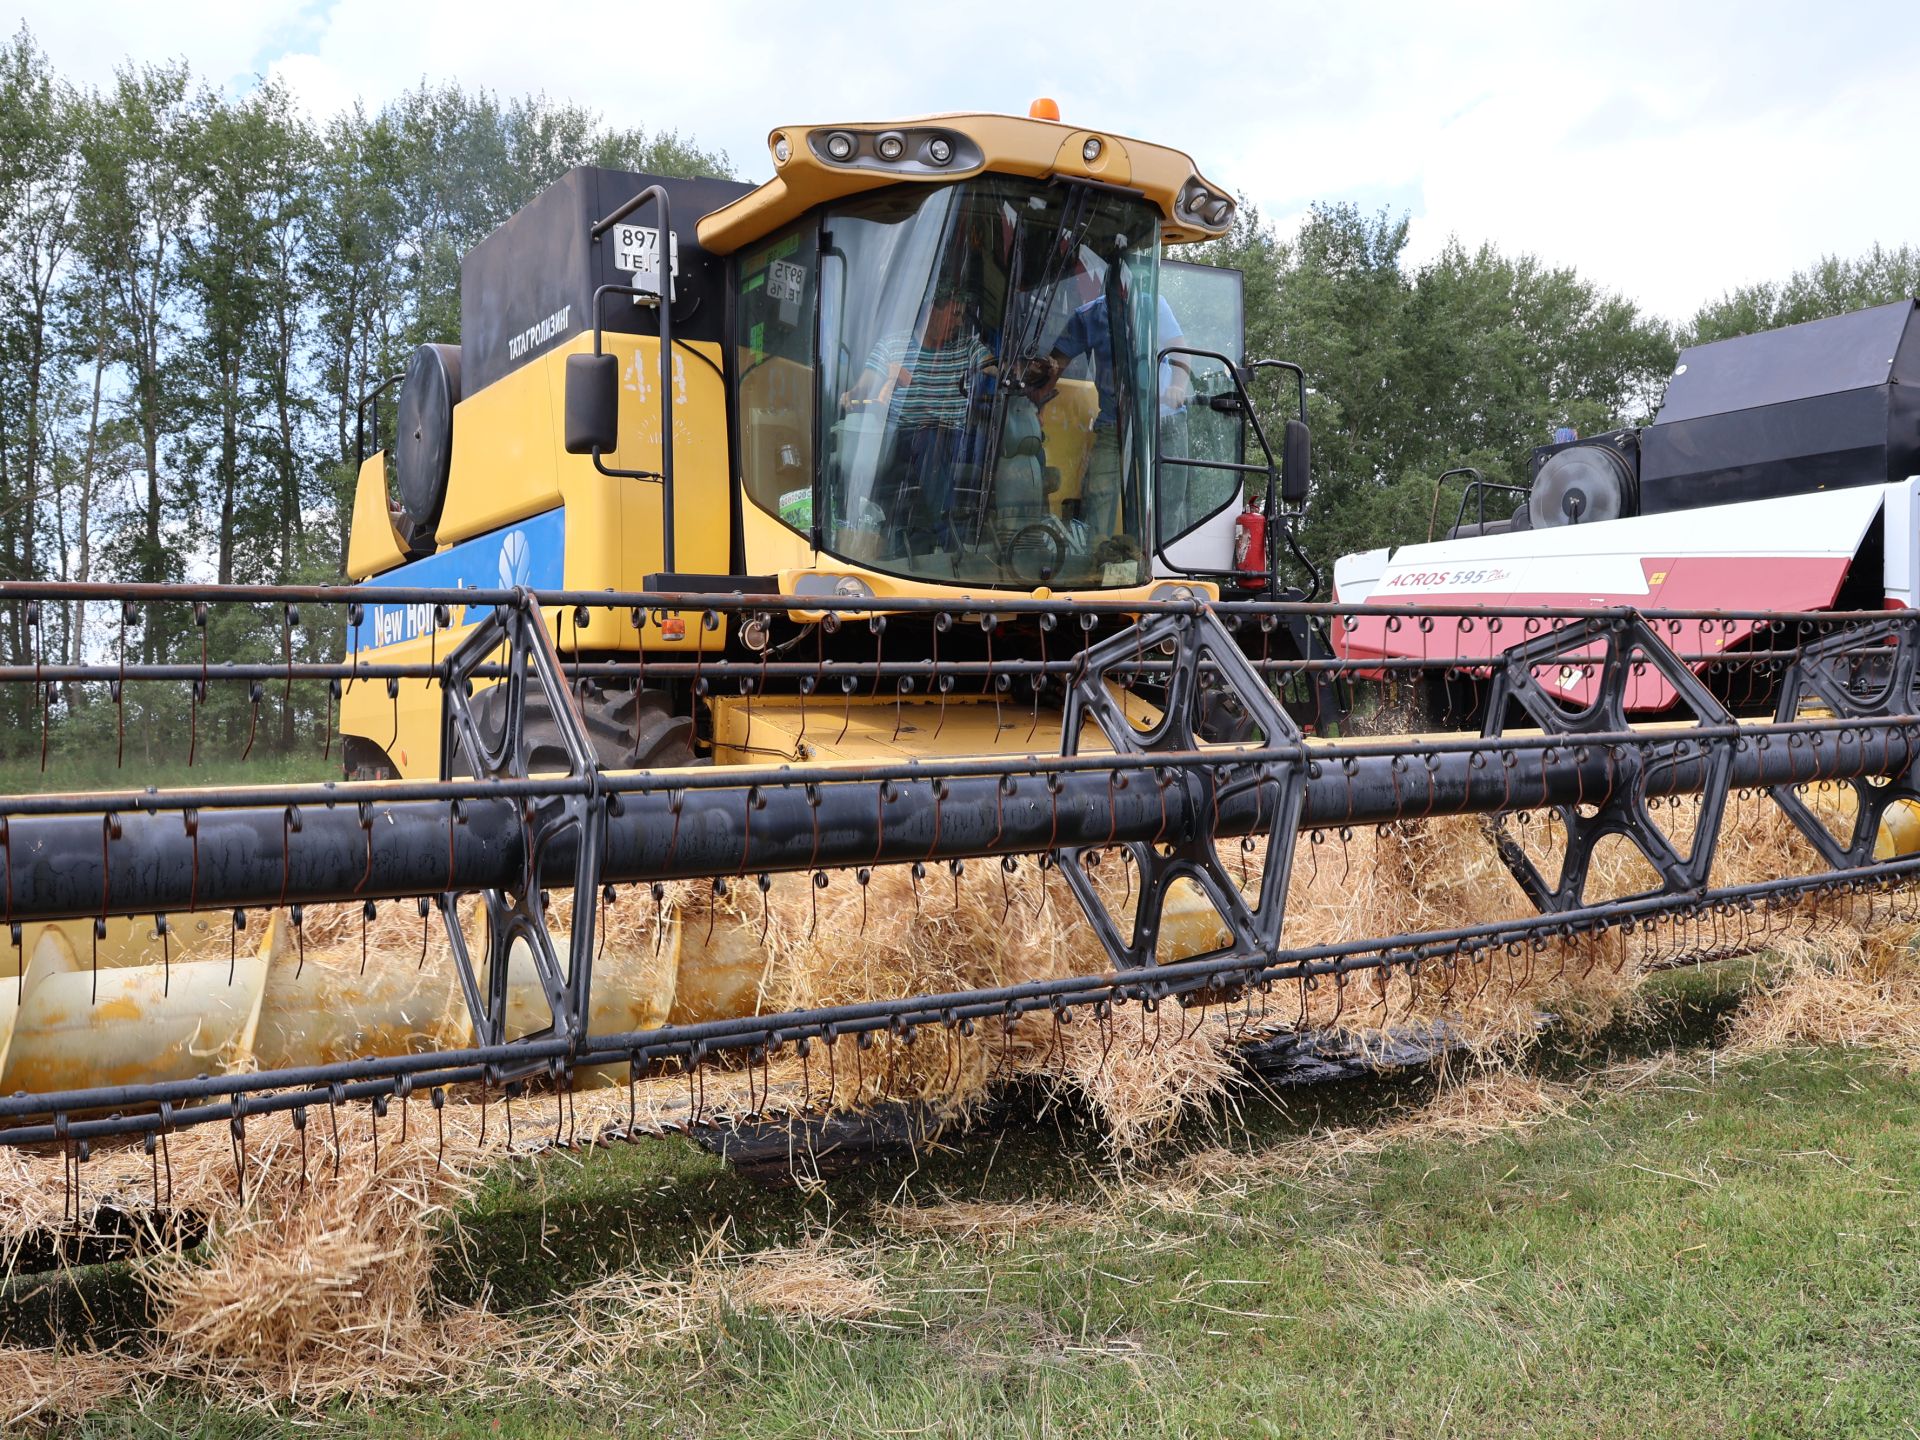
pixel 891 372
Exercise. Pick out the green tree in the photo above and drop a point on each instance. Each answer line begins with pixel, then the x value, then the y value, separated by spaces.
pixel 196 292
pixel 251 167
pixel 1470 359
pixel 1832 287
pixel 38 175
pixel 351 269
pixel 137 199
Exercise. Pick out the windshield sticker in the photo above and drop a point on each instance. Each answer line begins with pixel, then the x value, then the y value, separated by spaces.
pixel 785 281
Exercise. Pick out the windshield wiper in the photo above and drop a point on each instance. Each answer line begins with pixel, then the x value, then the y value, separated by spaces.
pixel 1126 403
pixel 1070 231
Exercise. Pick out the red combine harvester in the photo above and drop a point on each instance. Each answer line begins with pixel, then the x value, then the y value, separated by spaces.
pixel 1779 475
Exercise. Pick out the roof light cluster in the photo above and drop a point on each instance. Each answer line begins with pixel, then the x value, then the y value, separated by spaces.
pixel 1204 207
pixel 905 152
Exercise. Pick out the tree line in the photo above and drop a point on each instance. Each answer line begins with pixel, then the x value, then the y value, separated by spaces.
pixel 197 289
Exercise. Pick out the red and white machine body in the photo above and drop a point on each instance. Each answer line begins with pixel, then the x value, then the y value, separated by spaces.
pixel 1790 553
pixel 1780 476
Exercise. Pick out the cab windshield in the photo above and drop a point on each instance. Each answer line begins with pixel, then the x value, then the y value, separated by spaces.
pixel 986 385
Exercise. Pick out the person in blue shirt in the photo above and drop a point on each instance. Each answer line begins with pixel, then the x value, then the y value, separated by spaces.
pixel 1088 333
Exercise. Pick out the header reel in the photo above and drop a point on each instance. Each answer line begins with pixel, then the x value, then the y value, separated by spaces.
pixel 1140 770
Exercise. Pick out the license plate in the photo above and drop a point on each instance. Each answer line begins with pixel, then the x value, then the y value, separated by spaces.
pixel 784 282
pixel 636 249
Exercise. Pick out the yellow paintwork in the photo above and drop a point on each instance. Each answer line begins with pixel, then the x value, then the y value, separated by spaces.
pixel 372 545
pixel 272 1006
pixel 1066 428
pixel 893 587
pixel 506 449
pixel 865 728
pixel 509 463
pixel 1189 925
pixel 772 545
pixel 1009 145
pixel 405 724
pixel 61 945
pixel 137 1023
pixel 1899 831
pixel 719 977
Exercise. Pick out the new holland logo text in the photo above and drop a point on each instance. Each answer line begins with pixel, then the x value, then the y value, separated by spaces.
pixel 537 334
pixel 390 624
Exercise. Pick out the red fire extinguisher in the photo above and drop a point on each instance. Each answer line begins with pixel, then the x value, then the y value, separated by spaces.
pixel 1250 547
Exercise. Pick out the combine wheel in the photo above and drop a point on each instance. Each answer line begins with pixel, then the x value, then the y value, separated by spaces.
pixel 367 761
pixel 630 729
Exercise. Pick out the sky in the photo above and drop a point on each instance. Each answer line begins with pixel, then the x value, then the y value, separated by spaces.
pixel 1668 152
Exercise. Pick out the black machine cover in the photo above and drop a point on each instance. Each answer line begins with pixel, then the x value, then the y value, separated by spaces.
pixel 1818 406
pixel 528 287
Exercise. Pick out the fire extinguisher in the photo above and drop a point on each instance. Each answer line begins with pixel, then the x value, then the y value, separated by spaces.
pixel 1250 548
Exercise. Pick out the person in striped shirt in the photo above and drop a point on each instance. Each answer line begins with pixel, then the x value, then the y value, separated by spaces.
pixel 927 379
pixel 927 384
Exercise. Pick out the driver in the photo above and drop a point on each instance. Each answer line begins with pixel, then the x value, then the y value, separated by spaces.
pixel 927 382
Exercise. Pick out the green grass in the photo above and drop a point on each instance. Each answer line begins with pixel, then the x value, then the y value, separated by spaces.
pixel 1726 1251
pixel 105 768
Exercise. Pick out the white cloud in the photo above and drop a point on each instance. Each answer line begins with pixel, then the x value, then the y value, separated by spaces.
pixel 221 39
pixel 1666 151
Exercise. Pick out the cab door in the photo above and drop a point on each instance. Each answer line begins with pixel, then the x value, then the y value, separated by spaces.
pixel 1195 502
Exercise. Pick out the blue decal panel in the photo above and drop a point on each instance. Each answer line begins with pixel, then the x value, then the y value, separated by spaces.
pixel 529 552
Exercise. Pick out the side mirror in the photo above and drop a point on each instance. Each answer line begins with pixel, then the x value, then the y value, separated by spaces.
pixel 593 404
pixel 1296 459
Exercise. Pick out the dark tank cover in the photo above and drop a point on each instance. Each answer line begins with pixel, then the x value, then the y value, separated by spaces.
pixel 528 287
pixel 1818 406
